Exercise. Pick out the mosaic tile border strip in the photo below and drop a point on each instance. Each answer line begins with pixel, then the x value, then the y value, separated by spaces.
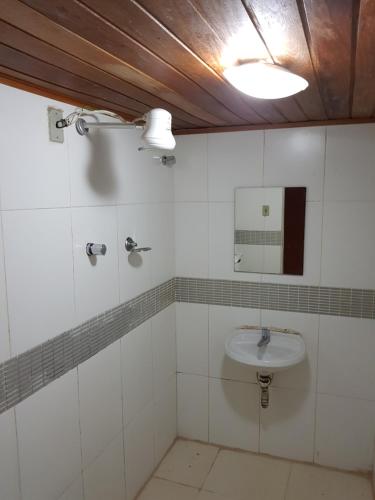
pixel 243 237
pixel 356 303
pixel 25 374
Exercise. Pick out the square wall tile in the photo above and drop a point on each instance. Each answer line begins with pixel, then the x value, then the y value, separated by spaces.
pixel 139 451
pixel 162 241
pixel 350 173
pixel 190 171
pixel 348 242
pixel 345 430
pixel 223 324
pixel 39 275
pixel 4 323
pixel 165 418
pixel 34 171
pixel 95 278
pixel 164 347
pixel 234 414
pixel 50 419
pixel 287 425
pixel 234 159
pixel 136 349
pixel 192 338
pixel 105 477
pixel 187 463
pixel 9 480
pixel 100 401
pixel 295 157
pixel 192 406
pixel 191 233
pixel 302 376
pixel 312 250
pixel 93 166
pixel 346 362
pixel 221 245
pixel 142 177
pixel 134 268
pixel 74 491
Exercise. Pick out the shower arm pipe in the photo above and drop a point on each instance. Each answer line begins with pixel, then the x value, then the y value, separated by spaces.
pixel 110 125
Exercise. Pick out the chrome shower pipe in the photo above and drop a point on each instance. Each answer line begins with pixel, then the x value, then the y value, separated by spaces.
pixel 83 127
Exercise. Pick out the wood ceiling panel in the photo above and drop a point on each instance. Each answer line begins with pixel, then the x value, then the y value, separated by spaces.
pixel 34 47
pixel 281 28
pixel 242 41
pixel 30 21
pixel 137 22
pixel 78 18
pixel 329 27
pixel 133 55
pixel 206 38
pixel 364 88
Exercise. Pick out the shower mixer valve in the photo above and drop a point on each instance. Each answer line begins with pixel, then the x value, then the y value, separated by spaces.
pixel 131 246
pixel 96 249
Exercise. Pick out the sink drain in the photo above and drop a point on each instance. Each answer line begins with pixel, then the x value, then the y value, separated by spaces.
pixel 264 382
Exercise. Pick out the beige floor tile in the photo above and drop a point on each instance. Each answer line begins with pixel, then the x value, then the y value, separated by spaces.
pixel 208 495
pixel 159 489
pixel 187 463
pixel 242 476
pixel 311 483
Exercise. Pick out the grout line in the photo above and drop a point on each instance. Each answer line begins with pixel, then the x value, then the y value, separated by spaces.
pixel 18 453
pixel 80 433
pixel 288 481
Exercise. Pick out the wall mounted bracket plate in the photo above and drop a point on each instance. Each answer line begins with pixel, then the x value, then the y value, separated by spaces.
pixel 55 134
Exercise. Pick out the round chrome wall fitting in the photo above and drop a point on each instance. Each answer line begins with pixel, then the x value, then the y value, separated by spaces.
pixel 81 127
pixel 96 249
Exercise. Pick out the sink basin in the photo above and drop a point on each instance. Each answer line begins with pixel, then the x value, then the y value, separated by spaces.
pixel 283 351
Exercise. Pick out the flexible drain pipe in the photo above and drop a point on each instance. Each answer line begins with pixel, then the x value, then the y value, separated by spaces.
pixel 264 382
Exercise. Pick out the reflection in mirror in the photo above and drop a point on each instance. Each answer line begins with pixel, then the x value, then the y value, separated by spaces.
pixel 269 230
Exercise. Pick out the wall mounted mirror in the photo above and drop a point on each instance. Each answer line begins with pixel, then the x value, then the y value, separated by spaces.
pixel 269 230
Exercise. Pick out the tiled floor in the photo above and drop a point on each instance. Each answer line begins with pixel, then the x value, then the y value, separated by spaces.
pixel 195 471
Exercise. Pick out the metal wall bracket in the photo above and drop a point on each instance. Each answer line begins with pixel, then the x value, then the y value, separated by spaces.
pixel 55 134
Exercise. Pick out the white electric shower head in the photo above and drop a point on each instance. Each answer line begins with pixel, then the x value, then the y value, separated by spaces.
pixel 157 132
pixel 156 125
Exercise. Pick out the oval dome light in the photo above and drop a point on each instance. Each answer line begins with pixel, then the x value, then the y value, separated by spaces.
pixel 264 80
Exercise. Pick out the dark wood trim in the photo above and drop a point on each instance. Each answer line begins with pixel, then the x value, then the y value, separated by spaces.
pixel 244 128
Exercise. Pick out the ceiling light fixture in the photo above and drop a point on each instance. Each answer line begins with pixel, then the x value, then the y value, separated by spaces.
pixel 264 80
pixel 156 125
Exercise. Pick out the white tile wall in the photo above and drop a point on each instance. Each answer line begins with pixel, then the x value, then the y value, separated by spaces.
pixel 96 278
pixel 329 395
pixel 9 479
pixel 55 198
pixel 191 232
pixel 192 406
pixel 49 439
pixel 39 270
pixel 100 401
pixel 234 159
pixel 192 338
pixel 4 325
pixel 137 372
pixel 117 191
pixel 234 414
pixel 104 478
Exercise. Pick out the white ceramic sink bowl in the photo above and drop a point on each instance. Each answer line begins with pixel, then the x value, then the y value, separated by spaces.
pixel 283 351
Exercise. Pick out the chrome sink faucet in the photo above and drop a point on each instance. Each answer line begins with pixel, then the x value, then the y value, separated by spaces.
pixel 265 338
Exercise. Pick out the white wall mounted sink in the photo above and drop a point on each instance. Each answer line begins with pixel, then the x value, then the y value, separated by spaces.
pixel 283 351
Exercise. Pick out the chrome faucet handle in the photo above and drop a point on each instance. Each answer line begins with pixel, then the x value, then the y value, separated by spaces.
pixel 131 246
pixel 96 249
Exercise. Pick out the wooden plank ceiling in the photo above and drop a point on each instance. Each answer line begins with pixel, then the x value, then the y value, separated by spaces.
pixel 131 55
